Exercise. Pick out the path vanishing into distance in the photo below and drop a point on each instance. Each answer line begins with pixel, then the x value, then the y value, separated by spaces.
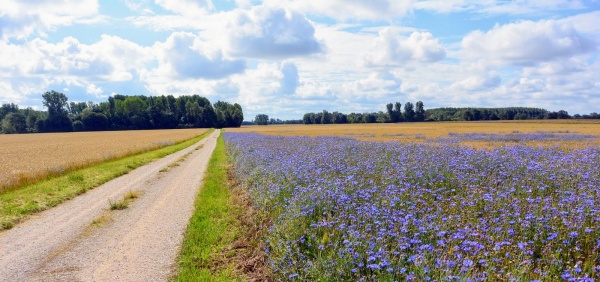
pixel 83 240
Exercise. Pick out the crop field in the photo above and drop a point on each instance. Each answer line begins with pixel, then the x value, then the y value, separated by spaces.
pixel 530 132
pixel 429 210
pixel 30 157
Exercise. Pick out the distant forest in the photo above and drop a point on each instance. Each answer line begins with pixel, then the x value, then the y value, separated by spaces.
pixel 120 112
pixel 410 112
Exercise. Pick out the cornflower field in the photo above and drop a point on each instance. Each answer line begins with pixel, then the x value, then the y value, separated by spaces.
pixel 349 210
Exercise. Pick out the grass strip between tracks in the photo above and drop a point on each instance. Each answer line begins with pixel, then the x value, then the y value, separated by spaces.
pixel 16 205
pixel 213 228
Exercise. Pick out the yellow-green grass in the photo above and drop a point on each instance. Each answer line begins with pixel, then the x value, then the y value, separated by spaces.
pixel 421 130
pixel 18 204
pixel 213 228
pixel 28 158
pixel 124 203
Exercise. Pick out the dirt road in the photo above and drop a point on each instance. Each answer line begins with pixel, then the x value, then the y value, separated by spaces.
pixel 83 240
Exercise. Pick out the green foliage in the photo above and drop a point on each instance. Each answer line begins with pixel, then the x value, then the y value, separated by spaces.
pixel 58 119
pixel 419 111
pixel 93 121
pixel 122 112
pixel 5 109
pixel 56 103
pixel 409 112
pixel 228 115
pixel 14 123
pixel 393 113
pixel 474 114
pixel 261 119
pixel 212 228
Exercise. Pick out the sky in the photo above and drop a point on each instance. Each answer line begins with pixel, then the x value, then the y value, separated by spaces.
pixel 285 58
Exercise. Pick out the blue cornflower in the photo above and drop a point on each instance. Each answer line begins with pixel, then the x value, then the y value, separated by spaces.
pixel 467 263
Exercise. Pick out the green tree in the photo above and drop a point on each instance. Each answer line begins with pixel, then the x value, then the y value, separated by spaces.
pixel 261 119
pixel 562 114
pixel 193 113
pixel 93 121
pixel 398 111
pixel 228 115
pixel 391 113
pixel 56 103
pixel 238 116
pixel 339 118
pixel 58 119
pixel 409 112
pixel 307 118
pixel 14 123
pixel 326 117
pixel 419 111
pixel 134 105
pixel 8 108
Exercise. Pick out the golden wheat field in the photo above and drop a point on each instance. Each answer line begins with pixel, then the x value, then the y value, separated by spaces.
pixel 416 132
pixel 32 156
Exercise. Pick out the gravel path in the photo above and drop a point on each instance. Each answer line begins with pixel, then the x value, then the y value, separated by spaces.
pixel 83 240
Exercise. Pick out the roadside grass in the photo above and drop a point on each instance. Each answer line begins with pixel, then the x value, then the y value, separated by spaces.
pixel 220 243
pixel 16 205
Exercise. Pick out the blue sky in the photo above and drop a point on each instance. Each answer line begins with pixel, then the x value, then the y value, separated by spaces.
pixel 288 57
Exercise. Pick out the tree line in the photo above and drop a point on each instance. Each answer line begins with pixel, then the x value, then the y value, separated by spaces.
pixel 262 119
pixel 120 112
pixel 416 113
pixel 394 113
pixel 510 113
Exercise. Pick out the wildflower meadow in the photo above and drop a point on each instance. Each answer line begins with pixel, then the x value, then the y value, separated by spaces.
pixel 342 209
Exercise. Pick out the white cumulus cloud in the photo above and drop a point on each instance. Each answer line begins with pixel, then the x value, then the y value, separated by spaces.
pixel 349 9
pixel 527 43
pixel 19 19
pixel 479 82
pixel 184 55
pixel 393 49
pixel 264 32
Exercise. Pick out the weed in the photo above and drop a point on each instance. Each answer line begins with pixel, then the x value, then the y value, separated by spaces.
pixel 131 195
pixel 124 203
pixel 100 220
pixel 118 205
pixel 5 225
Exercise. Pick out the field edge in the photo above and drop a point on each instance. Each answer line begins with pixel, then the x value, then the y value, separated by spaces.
pixel 221 242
